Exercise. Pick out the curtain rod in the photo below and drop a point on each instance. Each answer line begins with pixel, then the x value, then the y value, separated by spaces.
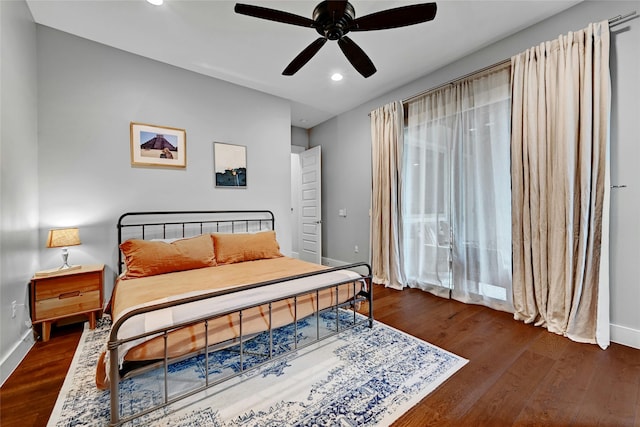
pixel 457 79
pixel 621 19
pixel 616 20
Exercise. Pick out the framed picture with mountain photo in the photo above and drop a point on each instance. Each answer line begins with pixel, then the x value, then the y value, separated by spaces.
pixel 230 165
pixel 159 146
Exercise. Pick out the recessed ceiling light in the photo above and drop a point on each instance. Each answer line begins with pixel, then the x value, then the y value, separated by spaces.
pixel 156 2
pixel 336 77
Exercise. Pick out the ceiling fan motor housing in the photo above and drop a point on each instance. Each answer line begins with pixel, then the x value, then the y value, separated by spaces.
pixel 331 26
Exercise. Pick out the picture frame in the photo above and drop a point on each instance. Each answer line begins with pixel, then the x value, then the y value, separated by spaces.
pixel 230 165
pixel 159 146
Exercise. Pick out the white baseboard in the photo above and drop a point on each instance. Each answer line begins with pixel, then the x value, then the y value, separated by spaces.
pixel 625 336
pixel 15 355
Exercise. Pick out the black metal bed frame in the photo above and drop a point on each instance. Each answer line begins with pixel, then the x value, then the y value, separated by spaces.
pixel 211 221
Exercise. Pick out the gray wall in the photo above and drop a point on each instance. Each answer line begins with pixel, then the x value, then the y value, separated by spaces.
pixel 346 140
pixel 18 179
pixel 66 107
pixel 88 94
pixel 299 137
pixel 346 184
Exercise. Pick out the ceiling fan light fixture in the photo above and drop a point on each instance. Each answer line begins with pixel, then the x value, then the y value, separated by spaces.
pixel 336 77
pixel 155 2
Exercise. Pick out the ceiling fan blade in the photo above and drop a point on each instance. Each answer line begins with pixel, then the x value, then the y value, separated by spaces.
pixel 273 15
pixel 304 56
pixel 394 18
pixel 357 57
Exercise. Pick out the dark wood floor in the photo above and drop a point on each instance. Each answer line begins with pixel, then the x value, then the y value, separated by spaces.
pixel 27 397
pixel 517 375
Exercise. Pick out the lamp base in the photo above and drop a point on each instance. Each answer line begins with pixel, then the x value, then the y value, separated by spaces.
pixel 66 266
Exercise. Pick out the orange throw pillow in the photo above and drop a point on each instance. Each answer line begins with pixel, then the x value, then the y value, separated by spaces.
pixel 231 248
pixel 148 258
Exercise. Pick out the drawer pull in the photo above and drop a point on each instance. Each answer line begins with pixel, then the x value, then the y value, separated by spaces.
pixel 69 295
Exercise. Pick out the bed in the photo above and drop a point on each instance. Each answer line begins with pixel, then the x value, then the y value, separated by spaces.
pixel 195 282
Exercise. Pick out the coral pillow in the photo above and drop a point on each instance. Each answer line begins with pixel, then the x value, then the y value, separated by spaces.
pixel 232 248
pixel 148 258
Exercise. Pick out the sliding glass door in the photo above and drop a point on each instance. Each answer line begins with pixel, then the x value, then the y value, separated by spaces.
pixel 456 198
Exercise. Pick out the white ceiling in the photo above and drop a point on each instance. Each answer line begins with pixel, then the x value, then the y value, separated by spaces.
pixel 209 38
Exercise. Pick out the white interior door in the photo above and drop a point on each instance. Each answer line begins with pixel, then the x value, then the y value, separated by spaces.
pixel 310 232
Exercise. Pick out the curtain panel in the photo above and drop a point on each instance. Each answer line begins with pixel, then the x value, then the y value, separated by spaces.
pixel 456 209
pixel 386 167
pixel 560 184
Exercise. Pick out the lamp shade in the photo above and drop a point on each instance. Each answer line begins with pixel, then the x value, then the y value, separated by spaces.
pixel 63 237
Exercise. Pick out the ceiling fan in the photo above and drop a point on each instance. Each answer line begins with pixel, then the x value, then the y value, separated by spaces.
pixel 333 19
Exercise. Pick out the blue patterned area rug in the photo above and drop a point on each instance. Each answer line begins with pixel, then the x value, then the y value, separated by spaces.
pixel 362 376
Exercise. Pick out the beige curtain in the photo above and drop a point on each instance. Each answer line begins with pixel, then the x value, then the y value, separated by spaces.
pixel 560 184
pixel 386 162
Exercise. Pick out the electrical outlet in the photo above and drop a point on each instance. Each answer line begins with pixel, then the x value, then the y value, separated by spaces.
pixel 356 249
pixel 14 305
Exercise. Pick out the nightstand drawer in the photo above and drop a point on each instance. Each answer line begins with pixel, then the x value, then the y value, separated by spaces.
pixel 68 303
pixel 54 287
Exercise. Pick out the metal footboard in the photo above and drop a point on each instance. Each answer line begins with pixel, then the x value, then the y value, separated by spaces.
pixel 362 293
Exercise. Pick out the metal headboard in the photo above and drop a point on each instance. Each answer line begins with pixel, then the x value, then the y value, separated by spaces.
pixel 181 224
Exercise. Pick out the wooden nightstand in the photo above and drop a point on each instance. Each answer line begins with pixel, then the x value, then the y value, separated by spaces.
pixel 65 294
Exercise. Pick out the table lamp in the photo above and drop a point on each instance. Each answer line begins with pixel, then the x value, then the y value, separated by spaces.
pixel 61 238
